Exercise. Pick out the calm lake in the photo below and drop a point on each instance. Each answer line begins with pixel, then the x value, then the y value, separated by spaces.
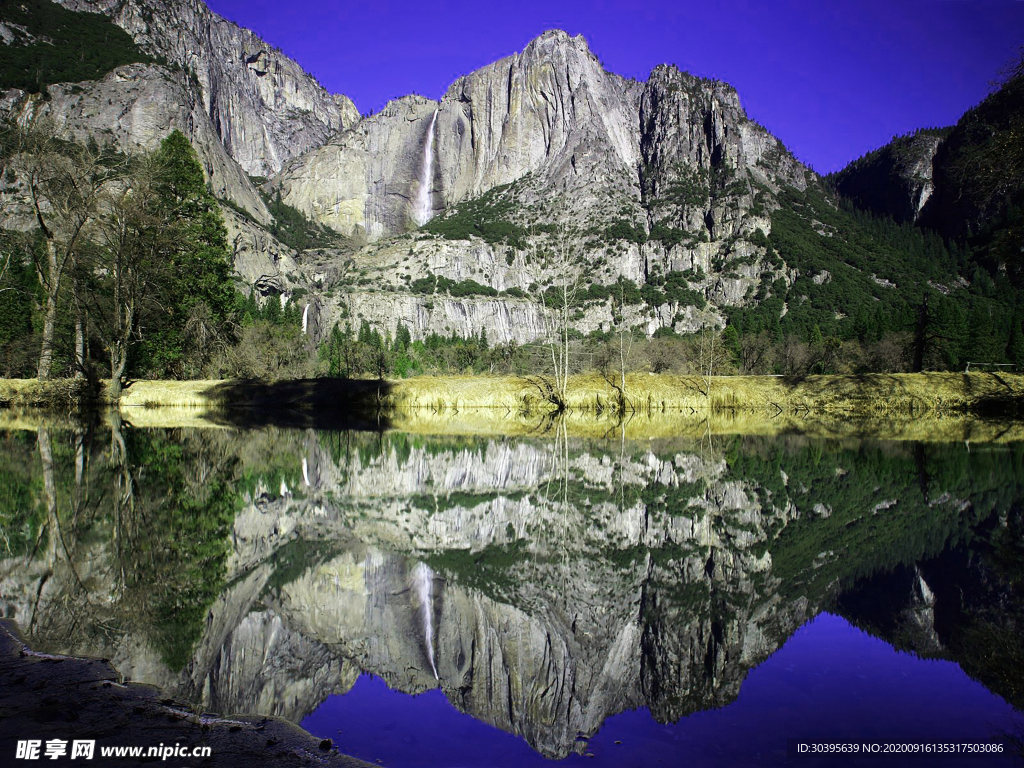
pixel 534 601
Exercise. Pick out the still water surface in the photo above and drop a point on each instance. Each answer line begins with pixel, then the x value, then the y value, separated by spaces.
pixel 472 601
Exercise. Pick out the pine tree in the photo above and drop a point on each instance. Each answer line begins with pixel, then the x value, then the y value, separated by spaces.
pixel 196 286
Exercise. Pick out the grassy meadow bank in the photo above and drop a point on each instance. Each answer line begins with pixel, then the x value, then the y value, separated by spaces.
pixel 976 407
pixel 988 394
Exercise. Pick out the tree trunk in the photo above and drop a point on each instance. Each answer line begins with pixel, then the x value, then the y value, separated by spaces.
pixel 920 335
pixel 119 356
pixel 79 343
pixel 52 284
pixel 116 387
pixel 46 346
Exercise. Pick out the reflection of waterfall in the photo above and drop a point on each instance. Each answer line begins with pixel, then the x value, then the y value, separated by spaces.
pixel 424 210
pixel 423 581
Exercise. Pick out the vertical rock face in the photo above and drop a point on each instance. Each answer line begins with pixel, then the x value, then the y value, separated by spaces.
pixel 552 120
pixel 551 110
pixel 365 180
pixel 135 107
pixel 264 108
pixel 645 178
pixel 702 160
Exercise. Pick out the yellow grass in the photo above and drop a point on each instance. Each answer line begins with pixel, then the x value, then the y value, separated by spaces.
pixel 644 393
pixel 926 406
pixel 862 395
pixel 488 422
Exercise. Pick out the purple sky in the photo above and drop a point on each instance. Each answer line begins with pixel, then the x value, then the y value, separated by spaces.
pixel 831 78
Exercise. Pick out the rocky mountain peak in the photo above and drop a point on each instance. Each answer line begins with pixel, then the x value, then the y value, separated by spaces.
pixel 669 76
pixel 557 40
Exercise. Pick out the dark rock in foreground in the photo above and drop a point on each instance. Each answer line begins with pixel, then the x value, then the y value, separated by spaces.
pixel 46 697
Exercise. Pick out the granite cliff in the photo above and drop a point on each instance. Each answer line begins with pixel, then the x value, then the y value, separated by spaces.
pixel 648 178
pixel 264 108
pixel 245 107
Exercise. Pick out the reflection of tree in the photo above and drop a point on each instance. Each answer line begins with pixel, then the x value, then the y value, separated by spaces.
pixel 177 504
pixel 165 502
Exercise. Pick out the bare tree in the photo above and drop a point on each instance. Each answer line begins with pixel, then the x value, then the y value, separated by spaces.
pixel 796 356
pixel 560 267
pixel 625 348
pixel 707 358
pixel 756 353
pixel 135 243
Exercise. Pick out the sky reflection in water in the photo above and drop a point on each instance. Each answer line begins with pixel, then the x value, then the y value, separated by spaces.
pixel 830 680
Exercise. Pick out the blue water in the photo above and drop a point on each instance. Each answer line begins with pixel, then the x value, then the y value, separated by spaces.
pixel 830 680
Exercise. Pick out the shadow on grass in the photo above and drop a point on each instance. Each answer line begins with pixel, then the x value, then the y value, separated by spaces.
pixel 1009 405
pixel 329 404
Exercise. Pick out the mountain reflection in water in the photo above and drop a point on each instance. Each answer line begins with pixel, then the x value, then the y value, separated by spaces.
pixel 829 680
pixel 543 585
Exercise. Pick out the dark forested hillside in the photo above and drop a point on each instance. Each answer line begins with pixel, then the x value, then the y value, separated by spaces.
pixel 861 280
pixel 893 180
pixel 965 182
pixel 979 177
pixel 963 188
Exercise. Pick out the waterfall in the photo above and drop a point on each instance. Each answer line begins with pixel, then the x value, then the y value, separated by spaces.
pixel 305 319
pixel 423 579
pixel 424 209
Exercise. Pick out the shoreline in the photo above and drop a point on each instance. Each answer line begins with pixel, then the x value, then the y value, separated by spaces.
pixel 918 407
pixel 989 394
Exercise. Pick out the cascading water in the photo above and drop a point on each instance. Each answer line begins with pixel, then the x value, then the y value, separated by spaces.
pixel 424 209
pixel 305 319
pixel 423 581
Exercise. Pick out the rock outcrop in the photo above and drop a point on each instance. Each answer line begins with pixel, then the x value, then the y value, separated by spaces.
pixel 364 180
pixel 553 116
pixel 135 107
pixel 551 110
pixel 262 263
pixel 263 107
